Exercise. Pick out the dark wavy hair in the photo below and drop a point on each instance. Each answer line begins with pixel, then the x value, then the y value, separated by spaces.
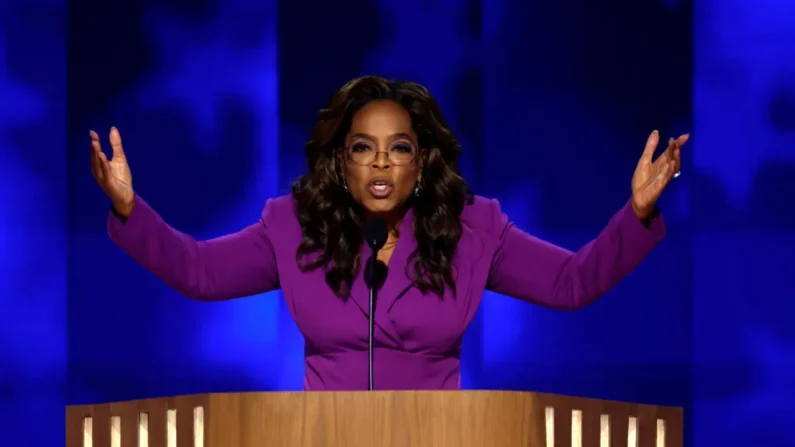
pixel 332 221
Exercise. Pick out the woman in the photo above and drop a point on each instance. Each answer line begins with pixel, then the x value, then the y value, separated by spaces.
pixel 382 148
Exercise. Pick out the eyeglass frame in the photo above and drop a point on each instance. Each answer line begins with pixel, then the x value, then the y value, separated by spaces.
pixel 348 154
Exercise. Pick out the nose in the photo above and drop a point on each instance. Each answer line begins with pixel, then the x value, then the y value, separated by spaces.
pixel 381 160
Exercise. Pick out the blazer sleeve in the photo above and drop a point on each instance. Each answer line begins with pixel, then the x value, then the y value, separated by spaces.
pixel 232 266
pixel 531 269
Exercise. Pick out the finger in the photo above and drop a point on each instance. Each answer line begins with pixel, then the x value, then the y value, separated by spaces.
pixel 676 153
pixel 115 143
pixel 104 166
pixel 96 146
pixel 96 167
pixel 651 146
pixel 669 151
pixel 95 150
pixel 95 143
pixel 659 164
pixel 682 139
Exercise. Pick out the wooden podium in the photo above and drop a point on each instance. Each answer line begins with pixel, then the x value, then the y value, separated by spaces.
pixel 379 418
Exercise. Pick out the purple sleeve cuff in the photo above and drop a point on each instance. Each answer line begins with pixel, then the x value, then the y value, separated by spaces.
pixel 125 234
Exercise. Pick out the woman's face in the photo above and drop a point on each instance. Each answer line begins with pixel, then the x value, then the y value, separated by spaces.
pixel 381 161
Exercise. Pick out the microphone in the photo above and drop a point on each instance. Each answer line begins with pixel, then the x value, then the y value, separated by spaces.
pixel 375 233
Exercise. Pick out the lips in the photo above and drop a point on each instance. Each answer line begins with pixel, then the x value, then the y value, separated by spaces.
pixel 380 188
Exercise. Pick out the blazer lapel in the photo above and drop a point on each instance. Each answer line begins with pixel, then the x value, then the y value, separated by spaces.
pixel 360 294
pixel 398 281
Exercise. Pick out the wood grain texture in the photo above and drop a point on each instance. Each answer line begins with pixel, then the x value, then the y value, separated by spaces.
pixel 383 418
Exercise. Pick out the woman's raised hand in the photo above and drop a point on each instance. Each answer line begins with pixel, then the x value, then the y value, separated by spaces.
pixel 652 176
pixel 113 175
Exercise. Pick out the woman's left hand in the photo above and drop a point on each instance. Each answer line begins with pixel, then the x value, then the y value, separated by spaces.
pixel 652 176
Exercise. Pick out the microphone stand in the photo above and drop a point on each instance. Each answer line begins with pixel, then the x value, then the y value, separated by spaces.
pixel 371 325
pixel 376 235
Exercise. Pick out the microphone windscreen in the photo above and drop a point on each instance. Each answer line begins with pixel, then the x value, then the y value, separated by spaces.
pixel 375 232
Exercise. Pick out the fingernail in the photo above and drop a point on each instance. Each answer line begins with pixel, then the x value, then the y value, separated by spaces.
pixel 655 131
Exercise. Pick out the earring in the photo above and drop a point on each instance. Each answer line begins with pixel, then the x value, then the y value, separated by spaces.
pixel 417 189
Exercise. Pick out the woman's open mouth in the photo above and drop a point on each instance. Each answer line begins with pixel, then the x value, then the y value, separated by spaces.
pixel 380 189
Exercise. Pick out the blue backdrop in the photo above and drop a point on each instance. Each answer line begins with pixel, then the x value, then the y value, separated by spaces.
pixel 552 101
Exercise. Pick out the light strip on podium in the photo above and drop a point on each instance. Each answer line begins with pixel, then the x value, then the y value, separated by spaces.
pixel 171 428
pixel 604 430
pixel 632 432
pixel 88 432
pixel 143 430
pixel 115 431
pixel 198 427
pixel 576 428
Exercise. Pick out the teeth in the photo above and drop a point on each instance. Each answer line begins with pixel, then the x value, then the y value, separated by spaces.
pixel 379 187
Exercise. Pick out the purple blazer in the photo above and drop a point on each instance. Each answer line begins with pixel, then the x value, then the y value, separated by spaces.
pixel 417 337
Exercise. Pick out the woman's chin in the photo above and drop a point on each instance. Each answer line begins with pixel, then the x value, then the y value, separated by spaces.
pixel 380 206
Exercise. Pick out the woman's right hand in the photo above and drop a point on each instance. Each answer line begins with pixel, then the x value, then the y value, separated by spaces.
pixel 113 176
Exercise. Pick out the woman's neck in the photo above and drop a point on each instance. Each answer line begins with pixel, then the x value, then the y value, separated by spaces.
pixel 392 239
pixel 394 232
pixel 393 221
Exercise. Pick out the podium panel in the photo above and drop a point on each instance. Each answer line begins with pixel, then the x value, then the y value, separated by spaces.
pixel 373 418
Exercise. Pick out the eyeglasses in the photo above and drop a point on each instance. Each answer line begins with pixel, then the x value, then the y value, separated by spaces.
pixel 400 154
